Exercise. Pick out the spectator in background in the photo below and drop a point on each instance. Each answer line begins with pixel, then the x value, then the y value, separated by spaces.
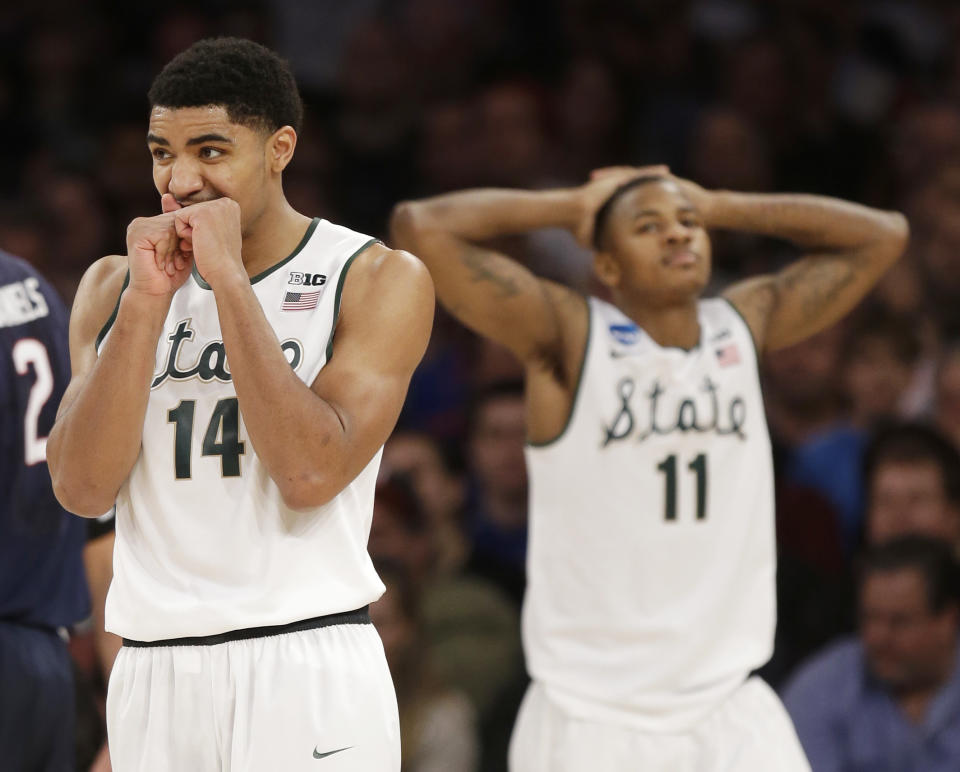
pixel 935 208
pixel 497 507
pixel 42 586
pixel 514 139
pixel 587 112
pixel 876 368
pixel 888 700
pixel 803 391
pixel 912 480
pixel 438 729
pixel 947 392
pixel 374 125
pixel 438 481
pixel 469 629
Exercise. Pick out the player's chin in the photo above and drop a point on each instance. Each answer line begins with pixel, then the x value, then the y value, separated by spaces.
pixel 685 281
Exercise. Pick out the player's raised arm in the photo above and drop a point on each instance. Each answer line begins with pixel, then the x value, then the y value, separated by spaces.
pixel 97 435
pixel 848 246
pixel 489 292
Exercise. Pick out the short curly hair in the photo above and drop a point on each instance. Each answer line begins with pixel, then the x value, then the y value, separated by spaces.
pixel 253 84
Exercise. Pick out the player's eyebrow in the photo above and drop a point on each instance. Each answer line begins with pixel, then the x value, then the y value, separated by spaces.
pixel 153 139
pixel 687 209
pixel 208 138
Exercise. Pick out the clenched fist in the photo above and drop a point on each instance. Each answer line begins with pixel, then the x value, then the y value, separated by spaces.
pixel 211 231
pixel 159 260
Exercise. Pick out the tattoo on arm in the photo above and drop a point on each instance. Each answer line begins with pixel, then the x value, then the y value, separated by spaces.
pixel 482 268
pixel 818 282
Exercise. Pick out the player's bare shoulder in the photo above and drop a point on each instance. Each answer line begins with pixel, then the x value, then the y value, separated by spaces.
pixel 97 298
pixel 392 278
pixel 388 295
pixel 382 267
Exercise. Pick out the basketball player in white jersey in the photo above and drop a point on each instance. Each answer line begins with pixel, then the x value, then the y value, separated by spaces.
pixel 651 563
pixel 235 375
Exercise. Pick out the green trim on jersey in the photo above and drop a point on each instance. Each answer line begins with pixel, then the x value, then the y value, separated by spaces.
pixel 276 266
pixel 576 388
pixel 336 299
pixel 756 349
pixel 113 316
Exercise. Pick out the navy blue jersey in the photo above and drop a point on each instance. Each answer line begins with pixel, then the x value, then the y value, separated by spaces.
pixel 42 579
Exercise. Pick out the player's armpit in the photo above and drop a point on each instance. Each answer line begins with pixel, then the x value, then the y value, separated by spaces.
pixel 755 298
pixel 811 294
pixel 386 316
pixel 848 248
pixel 490 293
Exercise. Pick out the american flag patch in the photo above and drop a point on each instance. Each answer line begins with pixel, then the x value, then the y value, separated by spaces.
pixel 300 301
pixel 728 355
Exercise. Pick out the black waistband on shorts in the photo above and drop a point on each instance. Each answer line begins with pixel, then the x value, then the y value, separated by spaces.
pixel 359 617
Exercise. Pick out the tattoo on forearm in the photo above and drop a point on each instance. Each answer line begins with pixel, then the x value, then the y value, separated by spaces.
pixel 481 264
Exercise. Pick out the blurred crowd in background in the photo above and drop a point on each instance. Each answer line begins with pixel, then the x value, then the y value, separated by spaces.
pixel 415 97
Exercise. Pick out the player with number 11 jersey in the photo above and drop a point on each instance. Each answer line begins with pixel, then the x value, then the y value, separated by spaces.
pixel 650 596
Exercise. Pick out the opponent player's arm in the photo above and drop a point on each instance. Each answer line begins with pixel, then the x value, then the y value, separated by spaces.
pixel 313 440
pixel 96 437
pixel 849 247
pixel 486 290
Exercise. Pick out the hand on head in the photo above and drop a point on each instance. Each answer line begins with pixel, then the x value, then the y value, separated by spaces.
pixel 605 181
pixel 602 184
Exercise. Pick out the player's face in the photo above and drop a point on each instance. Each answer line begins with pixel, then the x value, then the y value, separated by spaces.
pixel 905 642
pixel 655 244
pixel 199 155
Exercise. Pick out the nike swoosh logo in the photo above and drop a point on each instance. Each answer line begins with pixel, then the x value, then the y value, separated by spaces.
pixel 318 755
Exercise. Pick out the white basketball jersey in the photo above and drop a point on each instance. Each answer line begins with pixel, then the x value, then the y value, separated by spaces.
pixel 651 563
pixel 205 543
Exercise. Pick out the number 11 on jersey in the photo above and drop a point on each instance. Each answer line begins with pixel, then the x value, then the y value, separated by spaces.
pixel 669 468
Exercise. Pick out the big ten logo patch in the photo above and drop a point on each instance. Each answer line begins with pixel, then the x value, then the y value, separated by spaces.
pixel 300 279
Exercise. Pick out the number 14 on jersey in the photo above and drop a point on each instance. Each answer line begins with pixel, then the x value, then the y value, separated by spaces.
pixel 221 439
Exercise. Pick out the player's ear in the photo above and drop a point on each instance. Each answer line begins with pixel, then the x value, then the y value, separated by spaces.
pixel 606 268
pixel 280 147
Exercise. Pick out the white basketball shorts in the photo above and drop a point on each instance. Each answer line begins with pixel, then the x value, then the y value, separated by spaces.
pixel 750 732
pixel 318 699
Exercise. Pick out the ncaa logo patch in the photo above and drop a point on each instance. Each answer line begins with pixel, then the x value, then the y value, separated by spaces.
pixel 627 334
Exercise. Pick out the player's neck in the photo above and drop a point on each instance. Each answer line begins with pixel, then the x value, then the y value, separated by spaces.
pixel 276 234
pixel 670 325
